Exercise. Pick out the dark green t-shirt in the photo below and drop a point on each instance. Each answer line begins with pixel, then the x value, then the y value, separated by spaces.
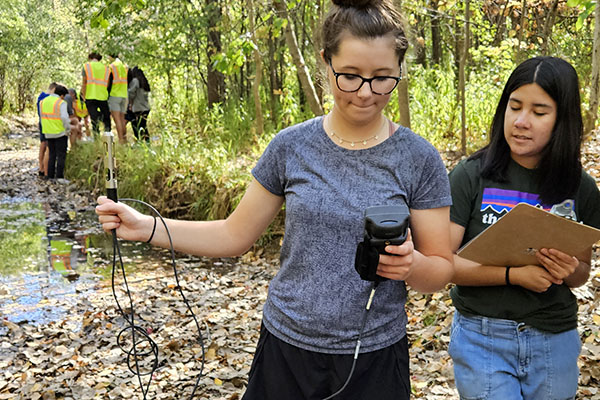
pixel 476 204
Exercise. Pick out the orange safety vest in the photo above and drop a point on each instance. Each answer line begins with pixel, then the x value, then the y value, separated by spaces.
pixel 52 125
pixel 119 81
pixel 96 75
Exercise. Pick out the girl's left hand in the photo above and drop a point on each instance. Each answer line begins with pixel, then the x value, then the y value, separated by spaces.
pixel 399 266
pixel 560 265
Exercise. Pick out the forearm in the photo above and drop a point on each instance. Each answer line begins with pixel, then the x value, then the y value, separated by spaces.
pixel 222 238
pixel 201 238
pixel 469 273
pixel 579 277
pixel 430 273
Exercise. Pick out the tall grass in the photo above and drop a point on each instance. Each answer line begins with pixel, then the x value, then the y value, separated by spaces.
pixel 435 108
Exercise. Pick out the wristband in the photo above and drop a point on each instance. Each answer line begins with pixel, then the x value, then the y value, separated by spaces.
pixel 506 277
pixel 153 230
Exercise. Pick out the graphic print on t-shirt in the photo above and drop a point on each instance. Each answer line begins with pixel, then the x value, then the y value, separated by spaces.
pixel 497 202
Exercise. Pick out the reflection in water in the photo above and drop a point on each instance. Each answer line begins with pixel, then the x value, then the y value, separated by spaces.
pixel 67 250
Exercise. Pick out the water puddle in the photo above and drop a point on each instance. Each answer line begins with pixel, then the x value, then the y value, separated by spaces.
pixel 49 255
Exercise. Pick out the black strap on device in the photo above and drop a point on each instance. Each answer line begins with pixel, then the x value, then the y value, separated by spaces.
pixel 366 262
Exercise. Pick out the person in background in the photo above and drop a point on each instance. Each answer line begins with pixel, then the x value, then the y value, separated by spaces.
pixel 514 334
pixel 138 90
pixel 328 170
pixel 56 125
pixel 94 91
pixel 81 114
pixel 75 134
pixel 43 153
pixel 117 100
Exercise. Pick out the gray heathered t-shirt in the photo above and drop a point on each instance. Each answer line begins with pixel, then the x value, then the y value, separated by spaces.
pixel 316 300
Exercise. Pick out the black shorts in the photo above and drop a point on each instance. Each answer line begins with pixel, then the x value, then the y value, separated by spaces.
pixel 282 371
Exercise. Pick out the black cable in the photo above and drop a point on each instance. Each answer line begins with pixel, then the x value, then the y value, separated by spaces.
pixel 357 349
pixel 136 328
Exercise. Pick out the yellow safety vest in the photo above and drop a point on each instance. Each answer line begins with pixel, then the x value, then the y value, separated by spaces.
pixel 119 81
pixel 50 113
pixel 80 108
pixel 96 75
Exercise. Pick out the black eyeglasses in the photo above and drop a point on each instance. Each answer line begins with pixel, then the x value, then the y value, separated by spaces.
pixel 353 82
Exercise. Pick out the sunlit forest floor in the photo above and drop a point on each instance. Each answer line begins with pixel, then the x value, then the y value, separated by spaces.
pixel 78 357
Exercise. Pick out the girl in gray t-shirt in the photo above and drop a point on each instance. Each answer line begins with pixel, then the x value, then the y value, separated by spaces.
pixel 327 171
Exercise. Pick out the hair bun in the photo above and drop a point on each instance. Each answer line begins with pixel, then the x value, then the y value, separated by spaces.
pixel 360 4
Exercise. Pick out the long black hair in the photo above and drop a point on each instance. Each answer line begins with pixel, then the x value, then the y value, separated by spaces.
pixel 136 72
pixel 560 164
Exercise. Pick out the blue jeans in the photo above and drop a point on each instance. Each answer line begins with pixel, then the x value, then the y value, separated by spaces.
pixel 498 359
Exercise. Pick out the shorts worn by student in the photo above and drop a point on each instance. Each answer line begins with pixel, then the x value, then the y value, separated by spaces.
pixel 520 362
pixel 117 104
pixel 297 374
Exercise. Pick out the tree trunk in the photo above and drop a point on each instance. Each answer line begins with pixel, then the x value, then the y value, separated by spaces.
pixel 500 26
pixel 461 83
pixel 403 100
pixel 548 24
pixel 274 84
pixel 520 55
pixel 420 49
pixel 320 79
pixel 592 113
pixel 2 84
pixel 258 117
pixel 24 90
pixel 303 74
pixel 457 52
pixel 215 80
pixel 436 39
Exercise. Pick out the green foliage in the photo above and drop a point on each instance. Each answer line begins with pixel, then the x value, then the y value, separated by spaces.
pixel 588 8
pixel 4 127
pixel 183 175
pixel 435 113
pixel 38 42
pixel 237 54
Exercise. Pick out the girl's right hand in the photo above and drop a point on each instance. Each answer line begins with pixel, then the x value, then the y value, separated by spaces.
pixel 533 277
pixel 129 223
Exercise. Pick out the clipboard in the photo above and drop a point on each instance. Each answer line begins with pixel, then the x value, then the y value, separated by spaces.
pixel 516 236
